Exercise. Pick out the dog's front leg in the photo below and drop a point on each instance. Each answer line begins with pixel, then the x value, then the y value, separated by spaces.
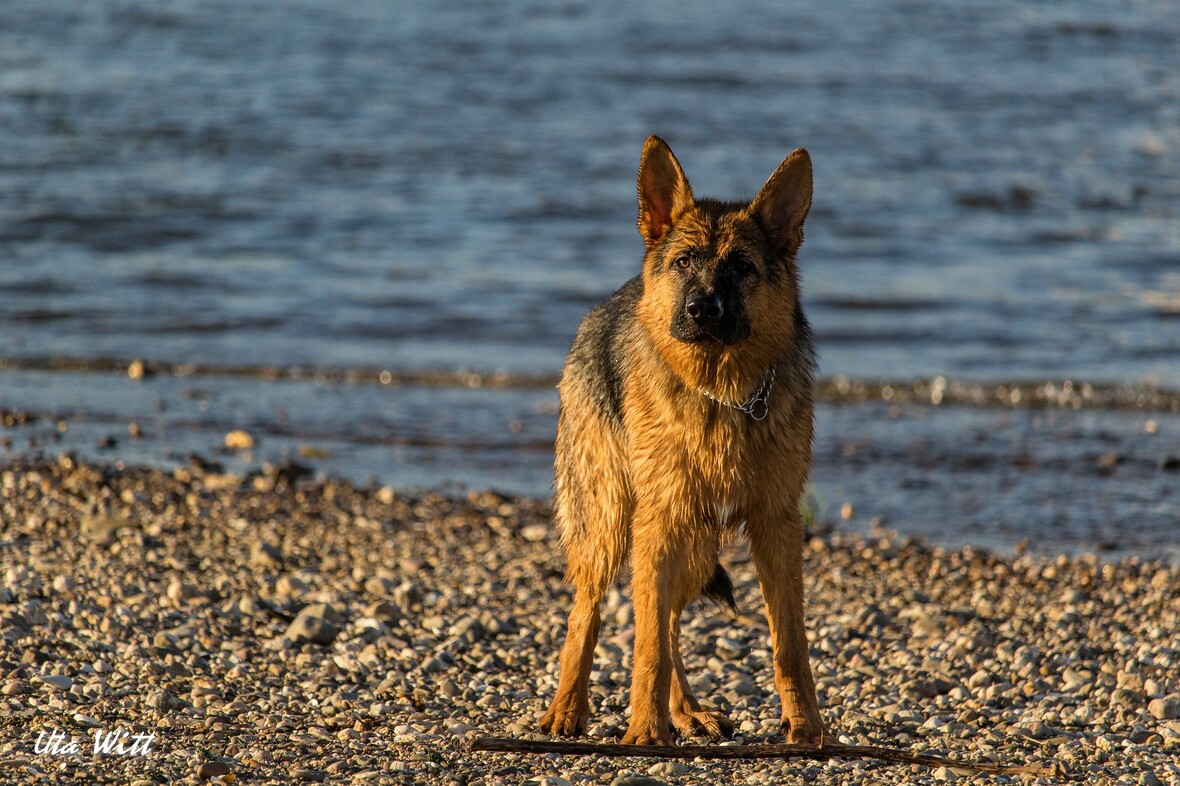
pixel 662 566
pixel 651 664
pixel 776 543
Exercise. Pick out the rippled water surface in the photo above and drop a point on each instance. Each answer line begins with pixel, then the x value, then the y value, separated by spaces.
pixel 439 186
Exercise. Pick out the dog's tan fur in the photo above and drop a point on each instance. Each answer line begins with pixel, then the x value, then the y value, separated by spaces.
pixel 648 466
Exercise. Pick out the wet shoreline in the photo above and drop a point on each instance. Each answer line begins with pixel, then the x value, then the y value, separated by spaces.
pixel 839 389
pixel 1065 466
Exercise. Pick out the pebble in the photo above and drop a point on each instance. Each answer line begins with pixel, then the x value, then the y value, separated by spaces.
pixel 381 587
pixel 165 701
pixel 265 555
pixel 730 649
pixel 383 610
pixel 633 779
pixel 60 682
pixel 742 685
pixel 104 529
pixel 312 628
pixel 290 586
pixel 433 666
pixel 667 769
pixel 1125 699
pixel 468 629
pixel 314 776
pixel 1166 708
pixel 239 440
pixel 15 688
pixel 535 533
pixel 212 769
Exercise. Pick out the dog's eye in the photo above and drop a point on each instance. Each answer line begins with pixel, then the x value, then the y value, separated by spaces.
pixel 682 262
pixel 740 266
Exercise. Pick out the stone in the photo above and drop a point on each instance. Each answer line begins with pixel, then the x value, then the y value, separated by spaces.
pixel 667 769
pixel 1125 699
pixel 15 688
pixel 1166 708
pixel 383 610
pixel 323 611
pixel 468 629
pixel 380 587
pixel 535 533
pixel 212 769
pixel 290 586
pixel 742 685
pixel 928 688
pixel 433 666
pixel 634 779
pixel 239 440
pixel 318 623
pixel 58 681
pixel 178 591
pixel 165 701
pixel 265 555
pixel 104 529
pixel 730 649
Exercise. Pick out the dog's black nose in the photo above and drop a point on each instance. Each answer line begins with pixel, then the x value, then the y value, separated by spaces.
pixel 704 307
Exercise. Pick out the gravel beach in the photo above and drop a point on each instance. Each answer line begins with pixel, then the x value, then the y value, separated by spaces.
pixel 273 628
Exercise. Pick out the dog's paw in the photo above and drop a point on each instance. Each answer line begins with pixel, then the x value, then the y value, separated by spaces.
pixel 804 730
pixel 689 723
pixel 566 718
pixel 648 733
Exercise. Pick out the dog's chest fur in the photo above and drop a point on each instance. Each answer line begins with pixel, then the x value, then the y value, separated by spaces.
pixel 708 456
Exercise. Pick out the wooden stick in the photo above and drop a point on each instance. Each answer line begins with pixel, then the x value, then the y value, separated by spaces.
pixel 781 751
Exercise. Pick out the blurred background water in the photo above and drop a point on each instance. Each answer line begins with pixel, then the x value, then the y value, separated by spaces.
pixel 252 187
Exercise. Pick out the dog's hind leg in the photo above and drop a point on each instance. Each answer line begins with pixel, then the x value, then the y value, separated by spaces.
pixel 688 718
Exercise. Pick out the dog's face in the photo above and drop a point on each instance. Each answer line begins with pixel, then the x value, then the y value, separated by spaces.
pixel 721 274
pixel 709 269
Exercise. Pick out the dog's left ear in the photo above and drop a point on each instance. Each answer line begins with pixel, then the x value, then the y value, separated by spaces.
pixel 783 202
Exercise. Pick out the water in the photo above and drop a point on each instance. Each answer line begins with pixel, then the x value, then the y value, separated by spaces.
pixel 435 187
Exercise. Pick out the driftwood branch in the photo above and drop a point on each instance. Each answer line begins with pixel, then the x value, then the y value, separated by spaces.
pixel 782 751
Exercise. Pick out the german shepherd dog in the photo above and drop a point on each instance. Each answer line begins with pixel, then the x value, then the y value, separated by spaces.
pixel 686 416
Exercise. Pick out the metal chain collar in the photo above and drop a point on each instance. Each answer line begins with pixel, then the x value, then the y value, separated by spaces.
pixel 756 405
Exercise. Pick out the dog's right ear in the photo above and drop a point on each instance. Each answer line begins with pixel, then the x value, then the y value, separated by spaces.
pixel 664 192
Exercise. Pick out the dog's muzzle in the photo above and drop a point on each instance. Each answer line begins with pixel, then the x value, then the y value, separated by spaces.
pixel 706 316
pixel 704 308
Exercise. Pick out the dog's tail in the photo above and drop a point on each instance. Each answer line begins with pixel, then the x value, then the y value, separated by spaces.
pixel 719 589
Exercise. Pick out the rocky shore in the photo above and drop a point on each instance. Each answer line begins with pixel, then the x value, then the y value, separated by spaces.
pixel 274 628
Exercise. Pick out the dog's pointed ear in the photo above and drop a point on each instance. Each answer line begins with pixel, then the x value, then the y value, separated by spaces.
pixel 663 190
pixel 783 202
